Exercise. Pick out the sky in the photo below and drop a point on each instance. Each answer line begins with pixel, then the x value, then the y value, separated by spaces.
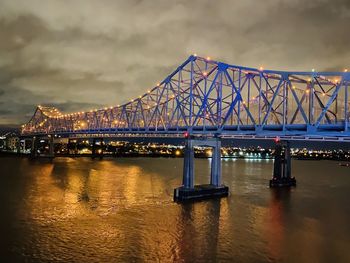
pixel 82 54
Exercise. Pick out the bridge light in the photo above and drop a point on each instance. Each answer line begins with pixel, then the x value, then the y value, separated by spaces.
pixel 313 70
pixel 186 134
pixel 148 91
pixel 158 84
pixel 346 70
pixel 277 139
pixel 293 87
pixel 261 68
pixel 307 90
pixel 205 74
pixel 323 94
pixel 208 58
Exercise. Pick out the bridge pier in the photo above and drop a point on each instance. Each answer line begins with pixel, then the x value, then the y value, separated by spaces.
pixel 51 146
pixel 72 149
pixel 188 191
pixel 24 145
pixel 34 152
pixel 282 166
pixel 34 148
pixel 97 152
pixel 18 146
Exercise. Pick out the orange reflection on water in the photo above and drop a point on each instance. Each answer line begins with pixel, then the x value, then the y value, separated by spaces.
pixel 275 226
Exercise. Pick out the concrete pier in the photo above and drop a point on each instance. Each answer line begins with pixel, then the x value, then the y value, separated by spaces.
pixel 72 149
pixel 97 152
pixel 282 166
pixel 35 153
pixel 188 191
pixel 51 146
pixel 18 146
pixel 34 147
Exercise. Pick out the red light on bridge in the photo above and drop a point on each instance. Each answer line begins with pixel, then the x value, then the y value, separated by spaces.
pixel 186 134
pixel 277 140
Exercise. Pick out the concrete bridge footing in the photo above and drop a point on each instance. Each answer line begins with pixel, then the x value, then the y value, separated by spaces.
pixel 188 191
pixel 97 152
pixel 34 152
pixel 282 166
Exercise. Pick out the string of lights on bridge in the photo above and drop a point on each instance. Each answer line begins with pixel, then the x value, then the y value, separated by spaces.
pixel 174 96
pixel 54 113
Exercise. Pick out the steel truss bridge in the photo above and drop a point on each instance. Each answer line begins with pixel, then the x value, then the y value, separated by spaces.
pixel 206 97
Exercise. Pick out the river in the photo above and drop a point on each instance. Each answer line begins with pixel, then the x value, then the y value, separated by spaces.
pixel 121 210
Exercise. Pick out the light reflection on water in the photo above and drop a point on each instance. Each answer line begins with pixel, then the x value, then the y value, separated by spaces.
pixel 115 210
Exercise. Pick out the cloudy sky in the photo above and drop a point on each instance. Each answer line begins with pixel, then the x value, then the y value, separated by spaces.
pixel 83 54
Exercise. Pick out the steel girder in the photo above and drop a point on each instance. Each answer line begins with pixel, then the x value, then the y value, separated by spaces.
pixel 205 96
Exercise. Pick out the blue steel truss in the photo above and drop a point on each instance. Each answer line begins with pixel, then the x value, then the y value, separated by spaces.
pixel 203 96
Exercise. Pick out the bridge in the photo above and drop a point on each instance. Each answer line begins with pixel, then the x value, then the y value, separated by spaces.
pixel 205 101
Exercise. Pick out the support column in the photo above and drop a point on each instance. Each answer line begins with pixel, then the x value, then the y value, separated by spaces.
pixel 24 145
pixel 215 176
pixel 69 147
pixel 51 146
pixel 188 191
pixel 93 150
pixel 76 147
pixel 34 147
pixel 18 146
pixel 101 148
pixel 282 166
pixel 114 152
pixel 97 152
pixel 188 179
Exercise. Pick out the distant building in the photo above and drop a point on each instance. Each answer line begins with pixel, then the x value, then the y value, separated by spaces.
pixel 9 141
pixel 2 143
pixel 12 143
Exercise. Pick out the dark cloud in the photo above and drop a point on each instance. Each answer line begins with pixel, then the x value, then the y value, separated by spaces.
pixel 84 54
pixel 5 112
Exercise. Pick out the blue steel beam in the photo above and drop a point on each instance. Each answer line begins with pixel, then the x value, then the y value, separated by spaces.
pixel 204 96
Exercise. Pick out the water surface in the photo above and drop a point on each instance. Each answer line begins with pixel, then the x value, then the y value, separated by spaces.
pixel 121 210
